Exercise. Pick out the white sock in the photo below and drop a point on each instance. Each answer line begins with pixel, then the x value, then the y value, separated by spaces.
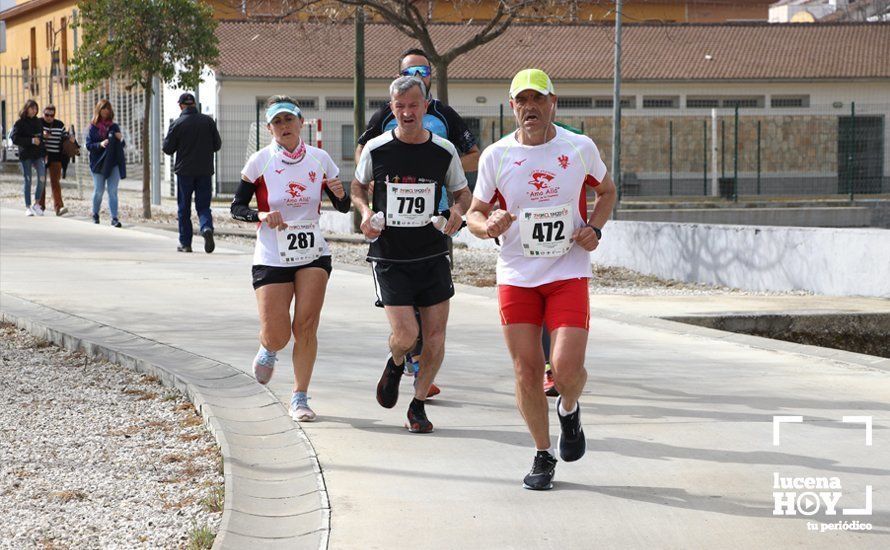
pixel 550 450
pixel 263 349
pixel 563 412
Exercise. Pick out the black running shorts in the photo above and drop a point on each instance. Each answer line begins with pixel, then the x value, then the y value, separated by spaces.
pixel 270 274
pixel 422 284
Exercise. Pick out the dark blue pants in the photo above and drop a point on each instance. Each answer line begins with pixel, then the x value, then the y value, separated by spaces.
pixel 200 186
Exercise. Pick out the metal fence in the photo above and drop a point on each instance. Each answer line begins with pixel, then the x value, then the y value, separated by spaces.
pixel 74 107
pixel 838 149
pixel 817 150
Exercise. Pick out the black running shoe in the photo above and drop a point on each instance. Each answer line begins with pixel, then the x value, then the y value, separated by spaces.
pixel 388 387
pixel 209 245
pixel 418 423
pixel 541 476
pixel 572 444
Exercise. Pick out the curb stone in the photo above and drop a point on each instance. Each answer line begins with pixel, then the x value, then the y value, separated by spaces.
pixel 275 493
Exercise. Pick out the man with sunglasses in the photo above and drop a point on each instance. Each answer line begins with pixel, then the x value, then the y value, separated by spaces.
pixel 54 134
pixel 440 119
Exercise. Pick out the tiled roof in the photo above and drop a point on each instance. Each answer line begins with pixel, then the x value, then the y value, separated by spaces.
pixel 737 51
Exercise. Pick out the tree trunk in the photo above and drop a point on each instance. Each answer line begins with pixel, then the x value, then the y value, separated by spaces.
pixel 442 81
pixel 146 152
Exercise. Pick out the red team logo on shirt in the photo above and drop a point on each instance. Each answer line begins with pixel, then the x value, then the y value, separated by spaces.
pixel 543 186
pixel 294 189
pixel 312 177
pixel 541 180
pixel 563 161
pixel 297 196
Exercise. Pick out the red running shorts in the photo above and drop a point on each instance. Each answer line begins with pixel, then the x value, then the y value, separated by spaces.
pixel 558 304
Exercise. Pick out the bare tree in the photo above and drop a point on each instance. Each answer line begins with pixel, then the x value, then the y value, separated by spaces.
pixel 862 11
pixel 414 19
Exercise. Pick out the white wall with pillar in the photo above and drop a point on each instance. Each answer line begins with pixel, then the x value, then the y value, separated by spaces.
pixel 829 261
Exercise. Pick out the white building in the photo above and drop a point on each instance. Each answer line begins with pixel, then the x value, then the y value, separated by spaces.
pixel 673 75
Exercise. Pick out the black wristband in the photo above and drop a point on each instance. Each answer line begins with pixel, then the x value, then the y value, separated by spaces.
pixel 597 230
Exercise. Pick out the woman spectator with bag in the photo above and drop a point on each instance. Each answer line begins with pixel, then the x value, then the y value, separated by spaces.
pixel 105 142
pixel 27 133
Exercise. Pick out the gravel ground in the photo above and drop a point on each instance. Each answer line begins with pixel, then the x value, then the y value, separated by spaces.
pixel 472 266
pixel 93 455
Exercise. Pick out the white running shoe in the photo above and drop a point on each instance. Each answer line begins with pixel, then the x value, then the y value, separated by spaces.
pixel 37 210
pixel 263 365
pixel 29 212
pixel 299 408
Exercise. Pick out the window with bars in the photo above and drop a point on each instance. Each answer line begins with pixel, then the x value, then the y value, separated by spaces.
pixel 347 146
pixel 661 102
pixel 785 102
pixel 702 102
pixel 742 102
pixel 339 103
pixel 307 103
pixel 26 73
pixel 304 103
pixel 375 103
pixel 726 102
pixel 606 102
pixel 575 102
pixel 54 64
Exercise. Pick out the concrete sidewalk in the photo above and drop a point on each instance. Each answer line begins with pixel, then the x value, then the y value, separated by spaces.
pixel 679 420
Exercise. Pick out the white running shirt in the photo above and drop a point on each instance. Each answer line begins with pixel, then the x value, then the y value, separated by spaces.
pixel 295 190
pixel 516 177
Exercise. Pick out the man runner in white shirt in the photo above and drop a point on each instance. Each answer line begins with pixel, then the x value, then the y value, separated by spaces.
pixel 531 194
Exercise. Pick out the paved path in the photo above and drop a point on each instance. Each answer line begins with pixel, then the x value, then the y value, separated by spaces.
pixel 678 419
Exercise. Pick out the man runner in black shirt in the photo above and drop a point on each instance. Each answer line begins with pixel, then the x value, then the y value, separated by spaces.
pixel 440 119
pixel 412 168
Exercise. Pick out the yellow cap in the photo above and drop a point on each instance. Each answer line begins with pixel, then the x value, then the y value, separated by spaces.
pixel 531 79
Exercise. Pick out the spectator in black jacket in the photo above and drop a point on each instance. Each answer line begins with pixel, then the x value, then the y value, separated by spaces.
pixel 194 138
pixel 27 133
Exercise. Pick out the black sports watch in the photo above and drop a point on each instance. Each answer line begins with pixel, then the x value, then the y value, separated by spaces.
pixel 597 230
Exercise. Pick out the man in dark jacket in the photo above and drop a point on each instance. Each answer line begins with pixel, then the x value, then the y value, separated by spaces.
pixel 194 138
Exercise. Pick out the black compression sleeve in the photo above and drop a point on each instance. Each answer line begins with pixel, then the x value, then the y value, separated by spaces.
pixel 241 209
pixel 342 205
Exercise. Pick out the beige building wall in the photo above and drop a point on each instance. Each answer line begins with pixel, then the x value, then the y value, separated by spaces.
pixel 31 40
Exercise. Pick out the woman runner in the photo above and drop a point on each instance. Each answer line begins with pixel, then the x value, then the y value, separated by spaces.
pixel 291 261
